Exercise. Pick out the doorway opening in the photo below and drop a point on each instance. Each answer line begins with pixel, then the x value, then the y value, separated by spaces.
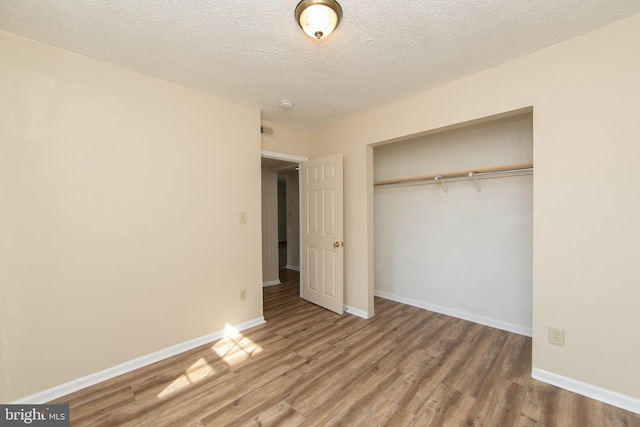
pixel 280 218
pixel 288 225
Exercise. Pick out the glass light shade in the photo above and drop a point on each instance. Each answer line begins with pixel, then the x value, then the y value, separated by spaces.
pixel 318 20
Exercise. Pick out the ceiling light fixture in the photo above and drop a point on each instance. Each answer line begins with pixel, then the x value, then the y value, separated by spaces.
pixel 318 18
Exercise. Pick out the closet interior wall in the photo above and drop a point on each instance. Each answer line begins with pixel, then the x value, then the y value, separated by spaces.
pixel 462 252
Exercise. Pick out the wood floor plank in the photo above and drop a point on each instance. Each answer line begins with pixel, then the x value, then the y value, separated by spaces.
pixel 251 404
pixel 445 406
pixel 514 363
pixel 541 404
pixel 340 377
pixel 253 377
pixel 378 415
pixel 280 415
pixel 401 418
pixel 104 404
pixel 423 381
pixel 311 367
pixel 475 364
pixel 349 403
pixel 498 405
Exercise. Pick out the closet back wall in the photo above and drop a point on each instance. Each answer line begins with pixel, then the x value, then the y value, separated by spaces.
pixel 464 253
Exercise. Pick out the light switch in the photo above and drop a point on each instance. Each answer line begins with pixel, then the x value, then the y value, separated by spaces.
pixel 242 217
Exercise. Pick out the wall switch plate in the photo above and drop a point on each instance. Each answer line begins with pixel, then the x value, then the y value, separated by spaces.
pixel 242 217
pixel 556 336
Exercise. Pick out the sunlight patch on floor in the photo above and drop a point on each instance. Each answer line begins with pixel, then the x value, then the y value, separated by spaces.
pixel 234 347
pixel 196 372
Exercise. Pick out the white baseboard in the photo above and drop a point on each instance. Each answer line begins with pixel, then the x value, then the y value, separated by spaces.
pixel 356 312
pixel 292 267
pixel 271 283
pixel 609 397
pixel 509 327
pixel 123 368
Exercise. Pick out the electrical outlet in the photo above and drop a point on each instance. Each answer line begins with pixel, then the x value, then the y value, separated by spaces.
pixel 243 294
pixel 556 336
pixel 242 217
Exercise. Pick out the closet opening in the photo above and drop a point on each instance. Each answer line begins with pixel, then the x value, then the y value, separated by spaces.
pixel 453 222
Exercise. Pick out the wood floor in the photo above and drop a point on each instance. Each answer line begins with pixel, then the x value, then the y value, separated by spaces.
pixel 307 366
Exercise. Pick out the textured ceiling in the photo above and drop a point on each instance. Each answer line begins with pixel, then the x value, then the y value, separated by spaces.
pixel 254 53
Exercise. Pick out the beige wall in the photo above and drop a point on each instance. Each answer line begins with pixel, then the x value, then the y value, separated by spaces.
pixel 119 229
pixel 285 140
pixel 584 94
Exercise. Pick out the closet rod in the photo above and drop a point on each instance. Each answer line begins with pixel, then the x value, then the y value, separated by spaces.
pixel 523 167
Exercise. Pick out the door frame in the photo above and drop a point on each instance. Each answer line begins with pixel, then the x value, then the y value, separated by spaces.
pixel 282 156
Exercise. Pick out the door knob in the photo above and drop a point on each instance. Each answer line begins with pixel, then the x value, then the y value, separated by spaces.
pixel 337 244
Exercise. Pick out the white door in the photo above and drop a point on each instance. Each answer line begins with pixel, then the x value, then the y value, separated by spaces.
pixel 322 271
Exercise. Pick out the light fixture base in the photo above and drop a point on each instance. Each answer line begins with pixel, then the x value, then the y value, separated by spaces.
pixel 285 104
pixel 318 18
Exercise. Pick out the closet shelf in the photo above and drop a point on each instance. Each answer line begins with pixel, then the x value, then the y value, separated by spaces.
pixel 523 167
